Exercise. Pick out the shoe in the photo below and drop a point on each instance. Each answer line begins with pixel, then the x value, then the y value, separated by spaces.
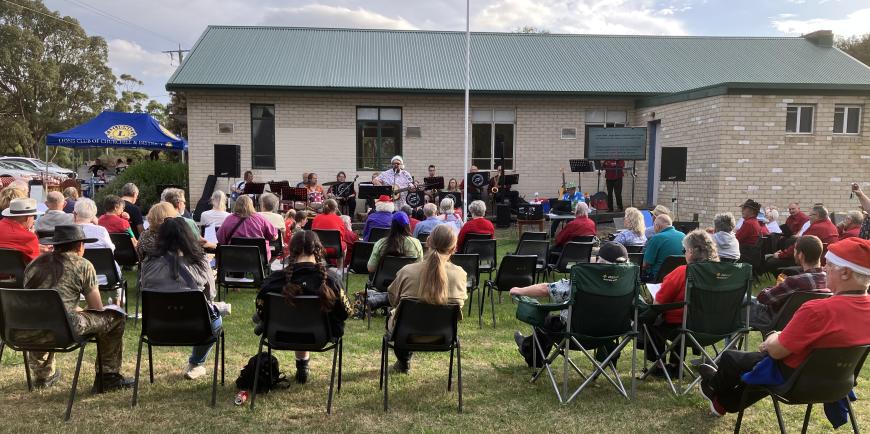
pixel 194 371
pixel 301 371
pixel 519 338
pixel 223 308
pixel 658 372
pixel 707 372
pixel 715 408
pixel 402 366
pixel 113 381
pixel 45 383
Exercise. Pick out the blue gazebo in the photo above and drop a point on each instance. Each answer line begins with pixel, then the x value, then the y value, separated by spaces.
pixel 119 130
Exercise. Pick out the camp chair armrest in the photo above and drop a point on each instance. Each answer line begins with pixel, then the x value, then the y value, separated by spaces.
pixel 667 306
pixel 546 307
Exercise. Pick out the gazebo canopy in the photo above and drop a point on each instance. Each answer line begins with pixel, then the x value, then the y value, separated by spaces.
pixel 119 130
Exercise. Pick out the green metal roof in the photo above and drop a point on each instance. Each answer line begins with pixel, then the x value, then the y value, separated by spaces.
pixel 434 61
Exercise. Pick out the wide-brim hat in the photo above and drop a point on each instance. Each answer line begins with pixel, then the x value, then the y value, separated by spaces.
pixel 65 234
pixel 570 185
pixel 21 207
pixel 751 204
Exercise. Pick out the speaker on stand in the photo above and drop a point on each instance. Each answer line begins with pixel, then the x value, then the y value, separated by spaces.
pixel 502 215
pixel 673 169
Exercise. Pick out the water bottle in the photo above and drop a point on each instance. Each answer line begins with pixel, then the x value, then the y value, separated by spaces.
pixel 109 301
pixel 536 197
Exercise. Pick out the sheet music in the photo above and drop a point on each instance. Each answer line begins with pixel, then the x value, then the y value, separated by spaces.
pixel 653 289
pixel 211 234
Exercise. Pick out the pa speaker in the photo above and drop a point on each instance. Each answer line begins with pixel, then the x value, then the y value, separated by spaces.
pixel 673 165
pixel 502 216
pixel 227 161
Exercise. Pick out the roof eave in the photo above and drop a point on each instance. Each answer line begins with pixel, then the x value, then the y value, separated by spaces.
pixel 754 88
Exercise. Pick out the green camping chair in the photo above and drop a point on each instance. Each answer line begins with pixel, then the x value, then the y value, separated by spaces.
pixel 602 310
pixel 716 310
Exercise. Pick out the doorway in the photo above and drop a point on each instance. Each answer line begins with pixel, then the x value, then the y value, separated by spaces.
pixel 654 167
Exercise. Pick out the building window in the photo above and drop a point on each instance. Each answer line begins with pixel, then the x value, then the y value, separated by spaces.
pixel 799 119
pixel 606 118
pixel 569 134
pixel 492 138
pixel 262 136
pixel 378 136
pixel 847 119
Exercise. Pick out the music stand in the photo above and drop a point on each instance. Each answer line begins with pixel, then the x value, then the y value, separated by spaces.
pixel 456 196
pixel 371 191
pixel 434 183
pixel 255 188
pixel 275 187
pixel 581 166
pixel 511 179
pixel 477 179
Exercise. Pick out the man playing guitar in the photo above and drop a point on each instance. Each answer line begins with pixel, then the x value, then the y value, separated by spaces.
pixel 237 188
pixel 397 177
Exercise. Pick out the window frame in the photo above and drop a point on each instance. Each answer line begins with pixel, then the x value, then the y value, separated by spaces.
pixel 254 164
pixel 494 162
pixel 846 108
pixel 800 108
pixel 380 123
pixel 605 124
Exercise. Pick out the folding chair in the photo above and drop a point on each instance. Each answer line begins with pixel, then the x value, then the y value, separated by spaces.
pixel 238 260
pixel 11 268
pixel 177 319
pixel 42 311
pixel 487 250
pixel 103 261
pixel 377 233
pixel 299 326
pixel 384 276
pixel 602 309
pixel 537 236
pixel 671 263
pixel 359 261
pixel 572 253
pixel 770 243
pixel 126 256
pixel 716 308
pixel 541 249
pixel 331 240
pixel 791 305
pixel 515 270
pixel 636 258
pixel 827 375
pixel 422 327
pixel 469 263
pixel 634 249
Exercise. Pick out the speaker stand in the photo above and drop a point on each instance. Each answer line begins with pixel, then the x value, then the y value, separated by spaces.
pixel 674 204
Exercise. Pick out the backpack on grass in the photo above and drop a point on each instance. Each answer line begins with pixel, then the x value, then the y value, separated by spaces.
pixel 270 375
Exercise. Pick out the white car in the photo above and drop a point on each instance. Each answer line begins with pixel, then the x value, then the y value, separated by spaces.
pixel 15 171
pixel 37 165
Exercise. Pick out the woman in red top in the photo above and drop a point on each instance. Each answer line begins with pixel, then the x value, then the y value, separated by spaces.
pixel 330 220
pixel 477 225
pixel 699 247
pixel 113 219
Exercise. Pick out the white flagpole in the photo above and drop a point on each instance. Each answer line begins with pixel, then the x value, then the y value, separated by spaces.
pixel 467 84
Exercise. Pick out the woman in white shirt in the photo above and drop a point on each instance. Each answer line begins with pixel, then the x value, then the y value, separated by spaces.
pixel 85 213
pixel 772 223
pixel 218 213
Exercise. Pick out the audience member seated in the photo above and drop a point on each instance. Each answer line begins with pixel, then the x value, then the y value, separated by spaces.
pixel 306 275
pixel 751 230
pixel 71 195
pixel 635 232
pixel 269 204
pixel 348 237
pixel 796 219
pixel 244 222
pixel 430 210
pixel 381 217
pixel 84 214
pixel 410 211
pixel 130 195
pixel 158 213
pixel 851 227
pixel 178 263
pixel 772 225
pixel 112 220
pixel 699 248
pixel 449 215
pixel 666 242
pixel 560 292
pixel 12 191
pixel 657 211
pixel 398 242
pixel 865 208
pixel 73 276
pixel 54 216
pixel 477 225
pixel 820 226
pixel 218 212
pixel 436 280
pixel 723 235
pixel 836 322
pixel 807 253
pixel 330 220
pixel 175 197
pixel 581 226
pixel 16 228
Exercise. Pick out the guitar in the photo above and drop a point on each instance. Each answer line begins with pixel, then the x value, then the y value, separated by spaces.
pixel 562 188
pixel 412 187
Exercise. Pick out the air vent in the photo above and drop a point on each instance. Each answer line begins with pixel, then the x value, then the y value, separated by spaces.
pixel 225 128
pixel 569 133
pixel 413 132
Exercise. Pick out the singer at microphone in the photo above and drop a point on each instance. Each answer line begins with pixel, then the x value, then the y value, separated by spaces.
pixel 397 177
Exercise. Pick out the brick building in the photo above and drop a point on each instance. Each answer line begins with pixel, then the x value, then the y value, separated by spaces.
pixel 774 119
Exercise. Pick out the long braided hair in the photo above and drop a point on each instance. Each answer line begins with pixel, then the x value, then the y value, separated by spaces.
pixel 308 243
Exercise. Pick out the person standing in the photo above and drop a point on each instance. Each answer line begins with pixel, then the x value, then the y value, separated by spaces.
pixel 613 173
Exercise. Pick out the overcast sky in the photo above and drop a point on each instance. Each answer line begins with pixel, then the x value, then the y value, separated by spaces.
pixel 137 31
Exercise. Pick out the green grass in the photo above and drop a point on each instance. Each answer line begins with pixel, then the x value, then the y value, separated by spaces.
pixel 497 393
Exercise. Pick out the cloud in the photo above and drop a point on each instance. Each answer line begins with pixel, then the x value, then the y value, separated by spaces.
pixel 319 15
pixel 153 68
pixel 581 16
pixel 854 24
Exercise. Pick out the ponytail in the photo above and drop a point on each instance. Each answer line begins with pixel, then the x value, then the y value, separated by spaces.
pixel 442 243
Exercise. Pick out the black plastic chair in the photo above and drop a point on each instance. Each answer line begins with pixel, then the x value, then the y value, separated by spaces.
pixel 636 258
pixel 177 319
pixel 827 375
pixel 260 243
pixel 634 249
pixel 384 276
pixel 583 239
pixel 754 256
pixel 536 236
pixel 331 239
pixel 572 253
pixel 477 236
pixel 686 227
pixel 359 261
pixel 469 263
pixel 539 248
pixel 487 250
pixel 103 261
pixel 41 310
pixel 671 263
pixel 376 234
pixel 300 326
pixel 238 260
pixel 791 305
pixel 423 237
pixel 770 243
pixel 125 253
pixel 515 270
pixel 11 268
pixel 422 327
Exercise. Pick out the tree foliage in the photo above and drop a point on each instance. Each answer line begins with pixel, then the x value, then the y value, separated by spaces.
pixel 147 175
pixel 53 76
pixel 132 99
pixel 857 47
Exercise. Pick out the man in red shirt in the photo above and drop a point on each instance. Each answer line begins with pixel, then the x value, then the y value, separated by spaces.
pixel 851 227
pixel 477 224
pixel 582 225
pixel 839 321
pixel 751 230
pixel 613 174
pixel 16 228
pixel 820 226
pixel 796 218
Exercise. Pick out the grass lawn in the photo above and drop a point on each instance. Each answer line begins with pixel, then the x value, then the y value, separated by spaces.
pixel 497 393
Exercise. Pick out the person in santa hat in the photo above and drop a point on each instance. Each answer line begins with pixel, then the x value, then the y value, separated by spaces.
pixel 839 321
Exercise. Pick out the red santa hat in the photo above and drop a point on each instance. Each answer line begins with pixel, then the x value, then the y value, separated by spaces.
pixel 851 253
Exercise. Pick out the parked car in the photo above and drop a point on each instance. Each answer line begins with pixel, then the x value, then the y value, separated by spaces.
pixel 37 165
pixel 8 168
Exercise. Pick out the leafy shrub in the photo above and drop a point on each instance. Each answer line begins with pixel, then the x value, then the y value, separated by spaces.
pixel 147 175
